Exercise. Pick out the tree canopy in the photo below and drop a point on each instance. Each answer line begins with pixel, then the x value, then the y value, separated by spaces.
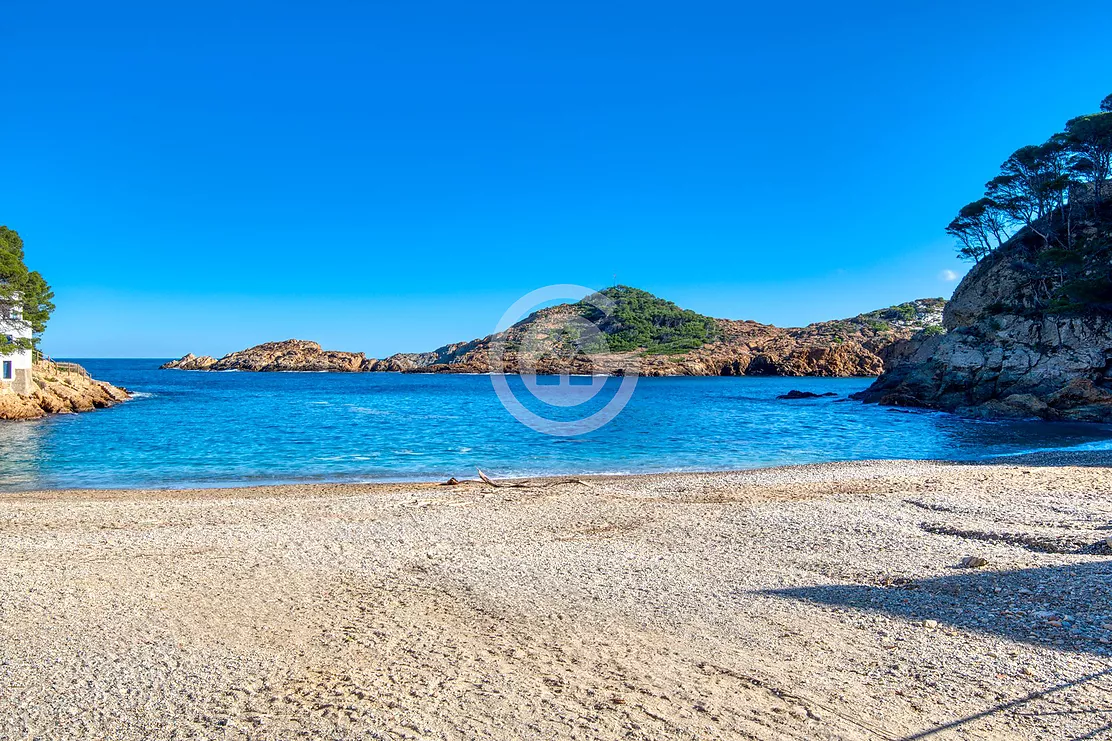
pixel 641 320
pixel 21 288
pixel 1042 188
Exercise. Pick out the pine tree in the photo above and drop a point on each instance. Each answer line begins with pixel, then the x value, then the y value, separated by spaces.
pixel 22 289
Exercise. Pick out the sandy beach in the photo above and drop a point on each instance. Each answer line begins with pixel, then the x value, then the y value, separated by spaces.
pixel 811 602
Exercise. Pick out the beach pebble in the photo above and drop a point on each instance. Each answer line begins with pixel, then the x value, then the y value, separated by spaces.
pixel 974 562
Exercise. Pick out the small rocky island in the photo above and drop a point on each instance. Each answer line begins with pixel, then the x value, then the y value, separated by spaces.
pixel 1028 332
pixel 289 355
pixel 666 340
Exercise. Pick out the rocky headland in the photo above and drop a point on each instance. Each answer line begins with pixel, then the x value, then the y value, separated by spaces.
pixel 660 338
pixel 60 388
pixel 1028 334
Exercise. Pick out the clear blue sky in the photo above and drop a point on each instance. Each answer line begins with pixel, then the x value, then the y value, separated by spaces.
pixel 391 176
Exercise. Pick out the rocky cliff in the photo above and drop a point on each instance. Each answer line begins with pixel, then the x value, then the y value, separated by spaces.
pixel 1028 332
pixel 1015 345
pixel 60 388
pixel 857 346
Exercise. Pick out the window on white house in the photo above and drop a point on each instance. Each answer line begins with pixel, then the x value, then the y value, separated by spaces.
pixel 7 370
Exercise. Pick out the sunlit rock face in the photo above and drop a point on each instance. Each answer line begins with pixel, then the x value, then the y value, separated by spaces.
pixel 1003 355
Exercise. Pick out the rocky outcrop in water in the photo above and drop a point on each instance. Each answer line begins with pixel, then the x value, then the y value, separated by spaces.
pixel 858 346
pixel 60 388
pixel 288 355
pixel 190 362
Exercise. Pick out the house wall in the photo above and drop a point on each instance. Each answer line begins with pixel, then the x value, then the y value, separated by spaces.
pixel 11 323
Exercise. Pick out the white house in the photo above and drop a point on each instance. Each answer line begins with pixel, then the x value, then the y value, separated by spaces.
pixel 15 365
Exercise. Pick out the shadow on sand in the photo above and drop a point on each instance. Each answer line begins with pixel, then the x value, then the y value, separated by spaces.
pixel 1061 607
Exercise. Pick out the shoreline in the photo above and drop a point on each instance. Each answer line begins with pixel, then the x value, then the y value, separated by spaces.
pixel 464 373
pixel 1056 457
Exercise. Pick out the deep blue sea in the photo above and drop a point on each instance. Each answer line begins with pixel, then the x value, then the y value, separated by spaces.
pixel 208 429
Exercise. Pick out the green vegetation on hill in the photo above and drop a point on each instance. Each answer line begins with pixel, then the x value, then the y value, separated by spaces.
pixel 880 318
pixel 22 288
pixel 641 320
pixel 1051 205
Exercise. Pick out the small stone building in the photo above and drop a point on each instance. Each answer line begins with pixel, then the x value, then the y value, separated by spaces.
pixel 15 364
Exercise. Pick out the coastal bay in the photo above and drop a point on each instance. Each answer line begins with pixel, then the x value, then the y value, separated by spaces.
pixel 184 430
pixel 823 601
pixel 556 372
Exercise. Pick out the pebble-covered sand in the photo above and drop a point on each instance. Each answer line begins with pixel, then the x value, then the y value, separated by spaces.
pixel 814 602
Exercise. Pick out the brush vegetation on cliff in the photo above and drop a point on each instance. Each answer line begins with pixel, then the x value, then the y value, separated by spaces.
pixel 1049 204
pixel 1049 212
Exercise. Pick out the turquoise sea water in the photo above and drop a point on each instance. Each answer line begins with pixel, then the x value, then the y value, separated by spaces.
pixel 195 428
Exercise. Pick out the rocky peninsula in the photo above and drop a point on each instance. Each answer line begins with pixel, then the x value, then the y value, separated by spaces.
pixel 60 388
pixel 663 339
